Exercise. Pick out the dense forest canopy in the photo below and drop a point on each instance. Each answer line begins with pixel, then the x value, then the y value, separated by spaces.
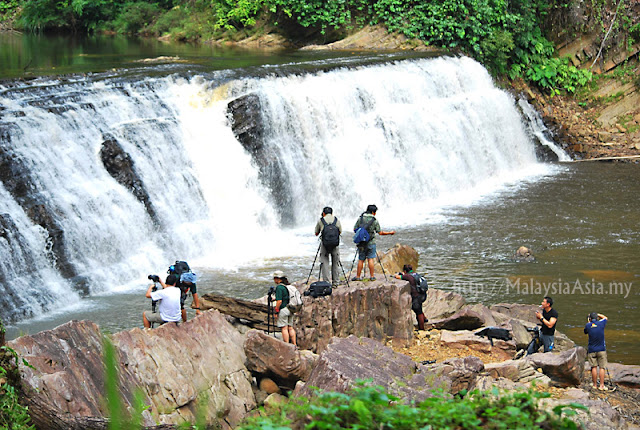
pixel 510 37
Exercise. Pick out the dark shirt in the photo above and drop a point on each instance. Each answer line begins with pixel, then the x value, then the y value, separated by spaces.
pixel 412 281
pixel 595 330
pixel 547 316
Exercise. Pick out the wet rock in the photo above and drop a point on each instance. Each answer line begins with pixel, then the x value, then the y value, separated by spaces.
pixel 248 125
pixel 442 304
pixel 524 254
pixel 274 358
pixel 122 168
pixel 347 360
pixel 565 368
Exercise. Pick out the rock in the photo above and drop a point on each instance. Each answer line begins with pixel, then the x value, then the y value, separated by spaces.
pixel 599 414
pixel 167 364
pixel 468 318
pixel 378 310
pixel 521 336
pixel 462 372
pixel 272 357
pixel 565 368
pixel 604 136
pixel 517 311
pixel 395 258
pixel 620 128
pixel 507 370
pixel 122 168
pixel 269 386
pixel 344 361
pixel 442 304
pixel 623 374
pixel 524 254
pixel 274 400
pixel 463 338
pixel 636 118
pixel 487 383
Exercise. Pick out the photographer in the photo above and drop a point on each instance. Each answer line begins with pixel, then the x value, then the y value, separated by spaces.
pixel 188 284
pixel 168 299
pixel 548 318
pixel 596 351
pixel 285 317
pixel 417 299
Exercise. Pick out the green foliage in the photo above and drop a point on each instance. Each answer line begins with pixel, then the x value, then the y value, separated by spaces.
pixel 555 74
pixel 367 407
pixel 8 6
pixel 13 415
pixel 136 17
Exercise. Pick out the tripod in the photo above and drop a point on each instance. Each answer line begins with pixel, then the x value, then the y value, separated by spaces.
pixel 271 317
pixel 314 263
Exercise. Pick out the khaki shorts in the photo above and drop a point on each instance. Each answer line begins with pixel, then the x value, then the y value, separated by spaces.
pixel 153 317
pixel 598 358
pixel 285 318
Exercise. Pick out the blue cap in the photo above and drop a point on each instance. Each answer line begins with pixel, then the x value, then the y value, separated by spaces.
pixel 188 277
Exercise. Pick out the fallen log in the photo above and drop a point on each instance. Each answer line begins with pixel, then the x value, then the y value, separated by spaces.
pixel 254 314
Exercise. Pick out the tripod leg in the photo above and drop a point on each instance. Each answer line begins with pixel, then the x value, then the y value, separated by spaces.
pixel 381 266
pixel 343 274
pixel 314 262
pixel 353 262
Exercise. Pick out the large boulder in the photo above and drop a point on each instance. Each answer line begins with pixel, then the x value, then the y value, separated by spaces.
pixel 517 311
pixel 395 258
pixel 379 310
pixel 467 318
pixel 565 368
pixel 441 304
pixel 276 359
pixel 350 359
pixel 196 367
pixel 461 372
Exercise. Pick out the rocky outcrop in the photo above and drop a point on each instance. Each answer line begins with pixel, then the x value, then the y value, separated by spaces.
pixel 503 349
pixel 441 304
pixel 395 258
pixel 378 310
pixel 467 318
pixel 348 360
pixel 181 370
pixel 565 368
pixel 277 360
pixel 122 168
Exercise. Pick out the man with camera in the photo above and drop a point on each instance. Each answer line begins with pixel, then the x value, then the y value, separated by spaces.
pixel 548 318
pixel 330 229
pixel 168 300
pixel 596 351
pixel 417 298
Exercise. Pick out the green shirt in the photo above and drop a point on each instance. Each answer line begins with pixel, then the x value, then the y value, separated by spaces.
pixel 282 294
pixel 373 229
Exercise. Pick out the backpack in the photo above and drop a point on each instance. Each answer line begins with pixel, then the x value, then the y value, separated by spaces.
pixel 295 299
pixel 421 283
pixel 319 289
pixel 362 236
pixel 494 333
pixel 330 234
pixel 178 268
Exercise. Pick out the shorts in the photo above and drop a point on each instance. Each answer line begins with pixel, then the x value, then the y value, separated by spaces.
pixel 598 358
pixel 285 318
pixel 367 252
pixel 153 317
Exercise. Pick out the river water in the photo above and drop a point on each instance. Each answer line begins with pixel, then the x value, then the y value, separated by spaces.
pixel 449 163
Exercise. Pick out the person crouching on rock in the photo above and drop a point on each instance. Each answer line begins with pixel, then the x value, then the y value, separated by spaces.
pixel 417 299
pixel 285 317
pixel 168 299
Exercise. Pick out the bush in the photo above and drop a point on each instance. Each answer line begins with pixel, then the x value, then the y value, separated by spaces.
pixel 136 17
pixel 13 415
pixel 367 407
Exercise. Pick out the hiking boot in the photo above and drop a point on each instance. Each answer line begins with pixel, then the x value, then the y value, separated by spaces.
pixel 355 278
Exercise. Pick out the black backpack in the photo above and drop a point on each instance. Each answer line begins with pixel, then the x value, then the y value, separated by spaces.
pixel 319 289
pixel 178 268
pixel 330 234
pixel 421 283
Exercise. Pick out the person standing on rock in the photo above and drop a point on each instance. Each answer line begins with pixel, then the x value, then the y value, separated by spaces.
pixel 188 284
pixel 597 350
pixel 330 229
pixel 367 250
pixel 285 317
pixel 548 318
pixel 417 298
pixel 168 303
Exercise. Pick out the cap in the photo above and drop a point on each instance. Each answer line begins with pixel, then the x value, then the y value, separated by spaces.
pixel 278 274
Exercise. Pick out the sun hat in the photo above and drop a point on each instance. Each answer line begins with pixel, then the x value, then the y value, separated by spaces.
pixel 278 274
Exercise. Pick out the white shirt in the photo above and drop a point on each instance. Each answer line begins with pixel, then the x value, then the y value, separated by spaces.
pixel 169 303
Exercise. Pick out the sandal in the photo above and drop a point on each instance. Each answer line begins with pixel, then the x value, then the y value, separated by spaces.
pixel 355 278
pixel 373 278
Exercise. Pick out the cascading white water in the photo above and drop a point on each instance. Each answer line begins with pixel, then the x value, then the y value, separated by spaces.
pixel 539 130
pixel 428 131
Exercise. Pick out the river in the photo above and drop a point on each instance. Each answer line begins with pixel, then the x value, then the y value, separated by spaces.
pixel 449 163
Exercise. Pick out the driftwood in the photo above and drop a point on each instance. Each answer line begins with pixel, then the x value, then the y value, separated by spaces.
pixel 254 314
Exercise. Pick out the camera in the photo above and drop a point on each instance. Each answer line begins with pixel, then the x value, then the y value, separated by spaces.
pixel 154 278
pixel 272 289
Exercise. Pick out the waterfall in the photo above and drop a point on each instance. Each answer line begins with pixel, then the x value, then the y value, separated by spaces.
pixel 407 135
pixel 540 131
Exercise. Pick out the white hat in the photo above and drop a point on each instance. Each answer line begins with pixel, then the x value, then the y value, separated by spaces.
pixel 278 274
